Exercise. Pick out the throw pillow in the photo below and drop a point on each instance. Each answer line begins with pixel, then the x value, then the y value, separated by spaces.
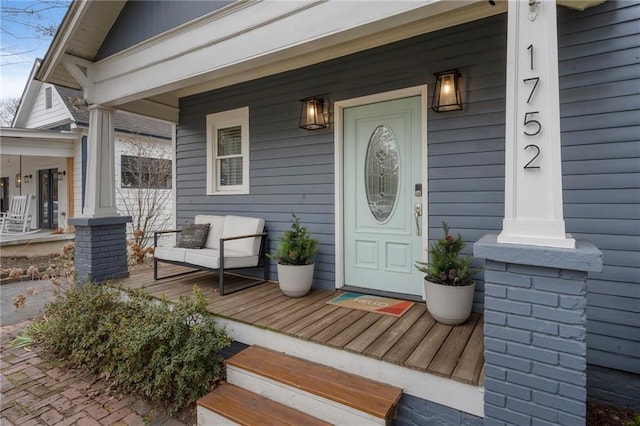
pixel 193 236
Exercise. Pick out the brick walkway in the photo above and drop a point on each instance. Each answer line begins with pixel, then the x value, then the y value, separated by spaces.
pixel 34 392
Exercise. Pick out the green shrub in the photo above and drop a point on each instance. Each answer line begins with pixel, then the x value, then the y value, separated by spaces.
pixel 634 422
pixel 168 353
pixel 296 246
pixel 446 266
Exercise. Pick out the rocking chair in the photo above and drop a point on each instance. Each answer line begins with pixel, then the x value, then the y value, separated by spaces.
pixel 17 219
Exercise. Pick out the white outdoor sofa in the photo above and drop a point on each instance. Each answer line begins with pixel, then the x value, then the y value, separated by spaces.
pixel 232 242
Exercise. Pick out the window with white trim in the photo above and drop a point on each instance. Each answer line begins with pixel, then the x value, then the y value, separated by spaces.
pixel 228 152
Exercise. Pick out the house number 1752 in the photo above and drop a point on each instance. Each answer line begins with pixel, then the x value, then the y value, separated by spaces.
pixel 532 126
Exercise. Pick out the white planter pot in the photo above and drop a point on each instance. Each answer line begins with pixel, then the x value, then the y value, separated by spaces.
pixel 295 280
pixel 449 304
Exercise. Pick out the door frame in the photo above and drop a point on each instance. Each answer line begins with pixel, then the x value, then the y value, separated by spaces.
pixel 339 107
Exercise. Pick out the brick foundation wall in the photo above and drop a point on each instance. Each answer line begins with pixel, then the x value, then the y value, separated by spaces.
pixel 100 248
pixel 535 332
pixel 413 411
pixel 535 339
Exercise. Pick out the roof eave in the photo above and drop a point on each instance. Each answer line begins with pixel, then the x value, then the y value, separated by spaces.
pixel 57 49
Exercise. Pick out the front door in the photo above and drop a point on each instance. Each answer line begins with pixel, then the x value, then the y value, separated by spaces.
pixel 48 198
pixel 382 196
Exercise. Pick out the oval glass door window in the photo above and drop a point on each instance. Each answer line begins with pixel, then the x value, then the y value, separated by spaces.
pixel 382 165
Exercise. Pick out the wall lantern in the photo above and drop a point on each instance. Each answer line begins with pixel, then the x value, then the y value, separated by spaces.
pixel 446 93
pixel 27 178
pixel 312 114
pixel 18 180
pixel 61 175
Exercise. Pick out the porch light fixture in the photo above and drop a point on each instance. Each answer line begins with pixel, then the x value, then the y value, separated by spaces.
pixel 18 180
pixel 61 175
pixel 446 92
pixel 27 178
pixel 312 114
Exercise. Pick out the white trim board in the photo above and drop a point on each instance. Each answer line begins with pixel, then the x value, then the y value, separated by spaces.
pixel 447 392
pixel 339 107
pixel 40 143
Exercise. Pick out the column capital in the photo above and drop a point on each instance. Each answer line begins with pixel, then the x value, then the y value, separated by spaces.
pixel 584 257
pixel 100 107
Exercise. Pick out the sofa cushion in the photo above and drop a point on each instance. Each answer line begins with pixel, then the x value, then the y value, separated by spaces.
pixel 216 224
pixel 170 253
pixel 235 226
pixel 193 236
pixel 210 258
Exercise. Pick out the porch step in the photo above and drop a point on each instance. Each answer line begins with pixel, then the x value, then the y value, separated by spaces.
pixel 230 405
pixel 328 394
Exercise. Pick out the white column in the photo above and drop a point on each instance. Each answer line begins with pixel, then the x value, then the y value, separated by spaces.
pixel 533 174
pixel 100 190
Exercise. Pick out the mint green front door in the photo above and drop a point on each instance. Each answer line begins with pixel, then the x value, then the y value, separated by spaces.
pixel 382 196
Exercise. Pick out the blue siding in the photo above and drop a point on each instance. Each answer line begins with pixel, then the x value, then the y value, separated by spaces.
pixel 306 183
pixel 600 99
pixel 614 387
pixel 600 85
pixel 141 20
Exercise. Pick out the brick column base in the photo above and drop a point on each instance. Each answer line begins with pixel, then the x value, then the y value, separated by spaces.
pixel 535 332
pixel 101 248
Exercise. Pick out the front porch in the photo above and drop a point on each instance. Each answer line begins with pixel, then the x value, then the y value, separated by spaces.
pixel 41 243
pixel 428 360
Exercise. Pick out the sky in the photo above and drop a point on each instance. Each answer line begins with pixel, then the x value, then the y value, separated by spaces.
pixel 20 43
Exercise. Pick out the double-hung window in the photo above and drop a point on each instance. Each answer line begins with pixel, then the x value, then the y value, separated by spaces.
pixel 228 152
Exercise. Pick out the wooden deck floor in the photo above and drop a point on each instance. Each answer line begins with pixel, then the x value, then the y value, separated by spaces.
pixel 415 340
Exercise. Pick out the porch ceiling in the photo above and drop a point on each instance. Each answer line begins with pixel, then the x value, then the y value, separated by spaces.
pixel 241 42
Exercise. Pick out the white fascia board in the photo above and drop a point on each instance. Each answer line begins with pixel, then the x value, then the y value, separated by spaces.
pixel 255 34
pixel 57 49
pixel 39 143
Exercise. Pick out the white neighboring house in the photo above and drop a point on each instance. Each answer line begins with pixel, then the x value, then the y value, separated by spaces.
pixel 45 151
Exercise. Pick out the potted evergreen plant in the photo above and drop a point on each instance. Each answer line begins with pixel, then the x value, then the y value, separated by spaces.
pixel 294 256
pixel 448 282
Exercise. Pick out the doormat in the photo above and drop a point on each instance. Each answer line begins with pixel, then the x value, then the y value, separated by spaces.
pixel 365 302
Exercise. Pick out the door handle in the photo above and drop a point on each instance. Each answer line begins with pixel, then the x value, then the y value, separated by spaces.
pixel 418 214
